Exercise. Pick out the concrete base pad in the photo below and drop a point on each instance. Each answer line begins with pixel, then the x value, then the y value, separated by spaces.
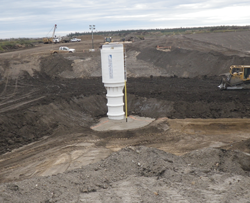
pixel 133 122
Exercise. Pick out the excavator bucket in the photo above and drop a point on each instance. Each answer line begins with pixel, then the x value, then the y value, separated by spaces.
pixel 225 81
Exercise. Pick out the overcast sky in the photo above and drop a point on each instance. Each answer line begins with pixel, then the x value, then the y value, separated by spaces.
pixel 36 18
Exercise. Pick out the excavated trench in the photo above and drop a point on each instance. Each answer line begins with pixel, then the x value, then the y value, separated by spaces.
pixel 38 106
pixel 45 124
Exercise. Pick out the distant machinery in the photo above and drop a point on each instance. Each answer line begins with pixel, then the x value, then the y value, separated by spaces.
pixel 48 40
pixel 108 39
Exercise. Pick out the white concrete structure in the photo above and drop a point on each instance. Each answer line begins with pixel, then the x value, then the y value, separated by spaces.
pixel 112 59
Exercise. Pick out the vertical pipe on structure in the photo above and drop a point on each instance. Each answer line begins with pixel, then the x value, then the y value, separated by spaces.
pixel 126 104
pixel 125 79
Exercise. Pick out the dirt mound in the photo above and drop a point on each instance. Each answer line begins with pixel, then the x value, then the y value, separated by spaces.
pixel 186 63
pixel 54 65
pixel 184 59
pixel 232 40
pixel 142 174
pixel 43 106
pixel 243 145
pixel 220 160
pixel 186 98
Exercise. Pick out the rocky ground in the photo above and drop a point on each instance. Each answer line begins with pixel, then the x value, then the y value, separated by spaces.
pixel 50 102
pixel 141 174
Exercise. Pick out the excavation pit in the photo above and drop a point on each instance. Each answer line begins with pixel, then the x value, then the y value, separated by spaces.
pixel 50 106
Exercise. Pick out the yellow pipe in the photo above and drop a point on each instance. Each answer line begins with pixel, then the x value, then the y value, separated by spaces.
pixel 126 106
pixel 125 81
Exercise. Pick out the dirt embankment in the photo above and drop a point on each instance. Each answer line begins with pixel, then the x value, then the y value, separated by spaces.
pixel 143 174
pixel 188 57
pixel 233 41
pixel 42 106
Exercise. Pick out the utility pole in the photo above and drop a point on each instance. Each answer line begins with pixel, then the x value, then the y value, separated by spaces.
pixel 92 27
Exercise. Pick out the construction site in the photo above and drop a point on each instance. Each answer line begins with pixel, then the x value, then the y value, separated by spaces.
pixel 184 140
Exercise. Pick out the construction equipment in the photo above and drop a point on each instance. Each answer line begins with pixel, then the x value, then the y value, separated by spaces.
pixel 50 40
pixel 165 48
pixel 65 39
pixel 107 40
pixel 237 78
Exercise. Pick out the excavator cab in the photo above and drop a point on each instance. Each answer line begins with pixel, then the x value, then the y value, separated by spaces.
pixel 247 73
pixel 235 70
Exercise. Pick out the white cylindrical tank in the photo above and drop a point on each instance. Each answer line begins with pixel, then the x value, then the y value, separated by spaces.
pixel 112 59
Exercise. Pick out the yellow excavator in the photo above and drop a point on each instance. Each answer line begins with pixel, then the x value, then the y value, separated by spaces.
pixel 49 40
pixel 237 78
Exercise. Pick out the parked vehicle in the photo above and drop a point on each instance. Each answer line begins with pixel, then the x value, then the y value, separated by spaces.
pixel 75 40
pixel 65 39
pixel 62 50
pixel 56 40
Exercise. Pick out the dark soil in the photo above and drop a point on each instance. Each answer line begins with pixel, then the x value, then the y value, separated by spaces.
pixel 39 101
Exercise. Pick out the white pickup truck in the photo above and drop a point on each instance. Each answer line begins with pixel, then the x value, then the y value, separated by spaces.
pixel 75 40
pixel 63 50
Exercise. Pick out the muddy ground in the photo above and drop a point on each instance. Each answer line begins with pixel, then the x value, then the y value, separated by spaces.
pixel 195 151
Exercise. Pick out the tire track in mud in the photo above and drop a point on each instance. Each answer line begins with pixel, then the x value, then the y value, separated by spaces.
pixel 15 106
pixel 17 94
pixel 6 99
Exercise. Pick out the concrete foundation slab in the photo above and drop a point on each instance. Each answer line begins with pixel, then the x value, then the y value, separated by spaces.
pixel 133 122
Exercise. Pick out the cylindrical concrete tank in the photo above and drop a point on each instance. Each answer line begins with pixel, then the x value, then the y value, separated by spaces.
pixel 112 58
